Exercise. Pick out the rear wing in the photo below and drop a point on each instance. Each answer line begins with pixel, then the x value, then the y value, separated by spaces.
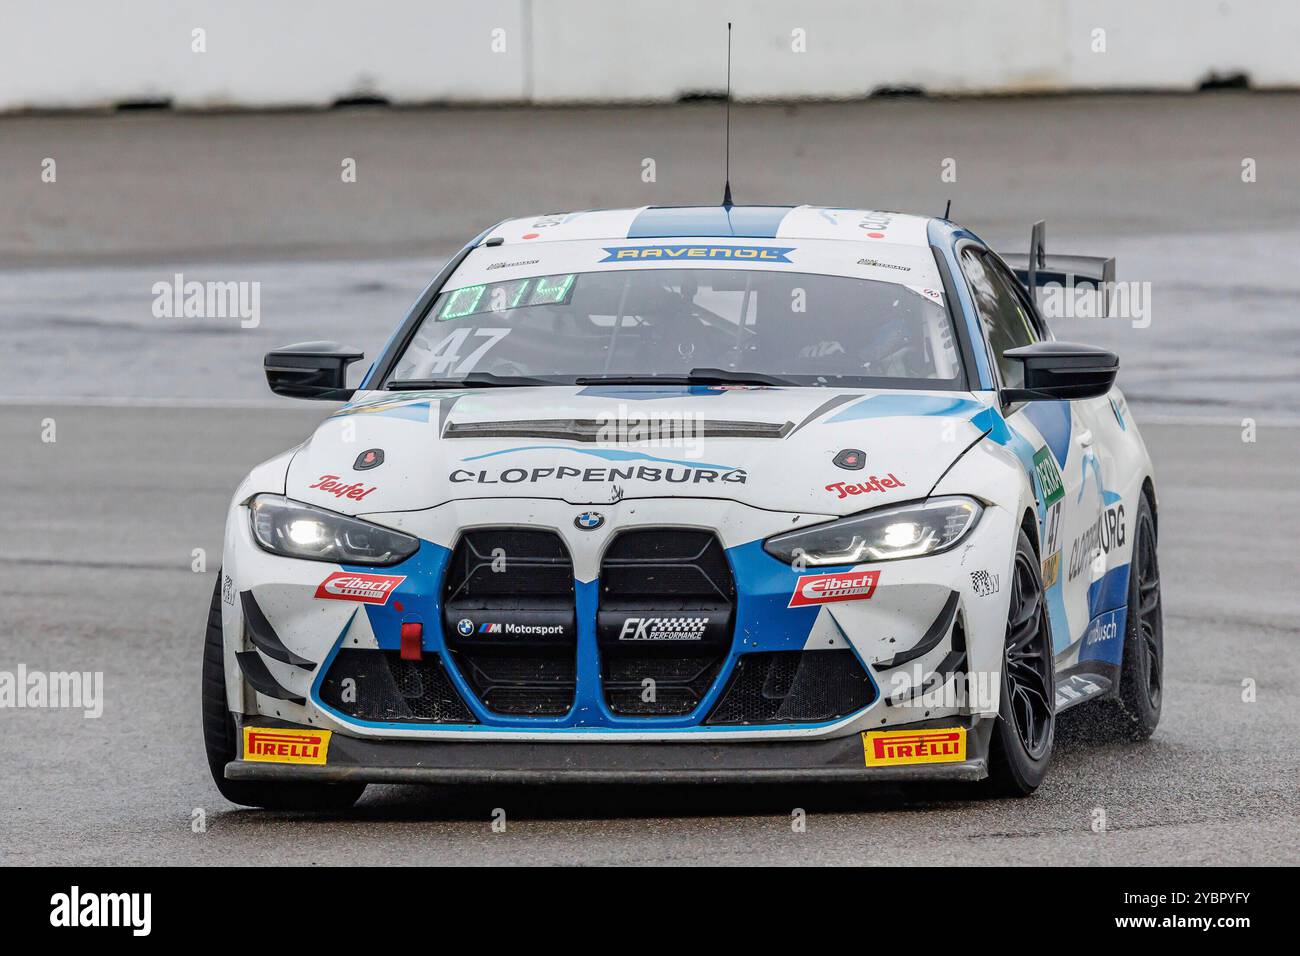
pixel 1038 269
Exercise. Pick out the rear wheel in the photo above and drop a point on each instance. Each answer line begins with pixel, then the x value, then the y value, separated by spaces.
pixel 219 738
pixel 1133 713
pixel 1021 747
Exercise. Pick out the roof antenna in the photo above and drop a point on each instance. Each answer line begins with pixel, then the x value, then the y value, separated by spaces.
pixel 947 209
pixel 726 161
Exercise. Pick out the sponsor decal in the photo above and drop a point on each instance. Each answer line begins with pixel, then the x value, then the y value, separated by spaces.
pixel 1052 570
pixel 674 475
pixel 589 520
pixel 353 492
pixel 874 223
pixel 883 265
pixel 985 583
pixel 370 458
pixel 1104 535
pixel 889 748
pixel 518 630
pixel 829 588
pixel 873 483
pixel 464 627
pixel 1052 489
pixel 663 629
pixel 286 745
pixel 364 588
pixel 228 589
pixel 1049 476
pixel 511 265
pixel 686 251
pixel 850 459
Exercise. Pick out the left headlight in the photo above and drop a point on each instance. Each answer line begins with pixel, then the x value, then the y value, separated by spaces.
pixel 901 531
pixel 295 530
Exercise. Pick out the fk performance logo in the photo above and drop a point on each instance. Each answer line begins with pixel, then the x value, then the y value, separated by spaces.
pixel 664 629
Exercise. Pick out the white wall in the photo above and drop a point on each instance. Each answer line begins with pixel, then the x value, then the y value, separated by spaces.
pixel 86 53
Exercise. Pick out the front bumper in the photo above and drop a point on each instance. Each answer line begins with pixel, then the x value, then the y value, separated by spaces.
pixel 839 759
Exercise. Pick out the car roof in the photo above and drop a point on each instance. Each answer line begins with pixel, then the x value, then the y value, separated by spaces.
pixel 731 222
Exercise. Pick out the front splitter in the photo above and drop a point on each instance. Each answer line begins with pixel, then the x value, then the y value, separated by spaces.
pixel 358 760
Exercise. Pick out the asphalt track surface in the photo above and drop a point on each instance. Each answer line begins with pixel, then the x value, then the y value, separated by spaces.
pixel 156 424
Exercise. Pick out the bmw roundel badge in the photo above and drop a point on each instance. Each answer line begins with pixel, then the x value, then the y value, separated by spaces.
pixel 465 627
pixel 589 520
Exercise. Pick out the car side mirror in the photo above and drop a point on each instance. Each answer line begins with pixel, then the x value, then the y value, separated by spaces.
pixel 317 370
pixel 1062 371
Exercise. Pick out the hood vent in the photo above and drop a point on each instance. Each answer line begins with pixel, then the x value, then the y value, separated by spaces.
pixel 591 430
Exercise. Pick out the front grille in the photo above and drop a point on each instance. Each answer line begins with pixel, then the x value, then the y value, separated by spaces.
pixel 658 687
pixel 531 685
pixel 793 687
pixel 381 686
pixel 667 604
pixel 509 620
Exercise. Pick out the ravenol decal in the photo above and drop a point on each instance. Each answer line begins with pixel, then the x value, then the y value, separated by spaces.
pixel 887 748
pixel 684 251
pixel 286 745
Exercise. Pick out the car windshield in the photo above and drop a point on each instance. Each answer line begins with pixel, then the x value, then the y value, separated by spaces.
pixel 764 327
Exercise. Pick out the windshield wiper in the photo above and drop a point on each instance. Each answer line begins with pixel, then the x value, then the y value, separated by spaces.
pixel 696 376
pixel 472 380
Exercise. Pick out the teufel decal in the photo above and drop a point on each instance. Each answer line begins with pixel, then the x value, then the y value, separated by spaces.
pixel 679 476
pixel 365 588
pixel 826 588
pixel 354 492
pixel 843 489
pixel 1105 533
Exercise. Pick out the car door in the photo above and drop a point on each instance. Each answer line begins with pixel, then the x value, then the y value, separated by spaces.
pixel 1058 432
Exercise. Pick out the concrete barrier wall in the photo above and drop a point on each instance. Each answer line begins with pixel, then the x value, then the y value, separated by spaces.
pixel 275 53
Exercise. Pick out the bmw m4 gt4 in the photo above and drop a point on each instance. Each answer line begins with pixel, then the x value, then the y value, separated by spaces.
pixel 715 493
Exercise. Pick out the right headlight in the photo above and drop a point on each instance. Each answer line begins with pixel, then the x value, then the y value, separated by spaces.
pixel 296 530
pixel 899 531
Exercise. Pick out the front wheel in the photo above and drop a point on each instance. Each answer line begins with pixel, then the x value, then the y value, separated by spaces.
pixel 1023 734
pixel 219 740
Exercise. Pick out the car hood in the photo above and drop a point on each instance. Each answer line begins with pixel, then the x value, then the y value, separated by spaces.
pixel 772 448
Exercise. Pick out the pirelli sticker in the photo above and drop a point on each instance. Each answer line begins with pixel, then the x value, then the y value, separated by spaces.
pixel 891 748
pixel 286 745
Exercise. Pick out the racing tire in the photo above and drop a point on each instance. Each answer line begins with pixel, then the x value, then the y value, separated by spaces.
pixel 1132 714
pixel 219 739
pixel 1024 730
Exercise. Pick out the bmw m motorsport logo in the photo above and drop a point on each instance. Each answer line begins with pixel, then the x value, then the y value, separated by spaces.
pixel 589 520
pixel 742 253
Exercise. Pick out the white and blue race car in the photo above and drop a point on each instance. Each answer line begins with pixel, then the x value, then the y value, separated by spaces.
pixel 693 494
